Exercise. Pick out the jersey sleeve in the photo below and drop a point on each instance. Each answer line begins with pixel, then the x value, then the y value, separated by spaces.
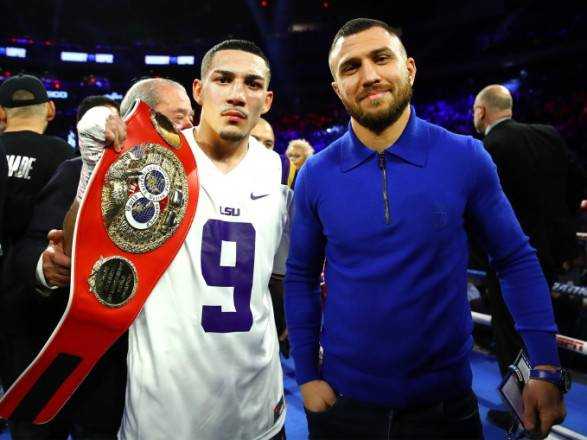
pixel 283 248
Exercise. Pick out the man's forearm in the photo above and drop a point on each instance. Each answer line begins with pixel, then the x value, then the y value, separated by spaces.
pixel 526 294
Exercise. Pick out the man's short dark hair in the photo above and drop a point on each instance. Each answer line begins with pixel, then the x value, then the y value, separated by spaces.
pixel 357 25
pixel 94 101
pixel 243 45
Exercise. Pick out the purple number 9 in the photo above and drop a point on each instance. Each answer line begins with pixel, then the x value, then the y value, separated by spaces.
pixel 239 276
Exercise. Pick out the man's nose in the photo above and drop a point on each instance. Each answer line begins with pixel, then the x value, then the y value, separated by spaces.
pixel 236 96
pixel 370 74
pixel 185 122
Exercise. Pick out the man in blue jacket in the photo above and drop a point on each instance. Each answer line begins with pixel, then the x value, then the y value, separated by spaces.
pixel 386 205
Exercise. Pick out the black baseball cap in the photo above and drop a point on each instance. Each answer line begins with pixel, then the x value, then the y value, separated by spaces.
pixel 22 82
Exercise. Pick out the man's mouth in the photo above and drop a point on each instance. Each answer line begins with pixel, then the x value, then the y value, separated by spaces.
pixel 234 115
pixel 373 95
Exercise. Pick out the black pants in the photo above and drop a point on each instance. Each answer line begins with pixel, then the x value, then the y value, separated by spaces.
pixel 276 291
pixel 94 412
pixel 349 419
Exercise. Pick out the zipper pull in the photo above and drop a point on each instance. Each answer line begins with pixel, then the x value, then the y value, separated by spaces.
pixel 381 160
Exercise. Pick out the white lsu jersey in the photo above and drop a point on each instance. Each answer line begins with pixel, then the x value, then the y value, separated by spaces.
pixel 203 357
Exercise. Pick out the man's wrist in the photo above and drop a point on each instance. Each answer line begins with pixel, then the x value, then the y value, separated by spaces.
pixel 552 368
pixel 557 376
pixel 40 276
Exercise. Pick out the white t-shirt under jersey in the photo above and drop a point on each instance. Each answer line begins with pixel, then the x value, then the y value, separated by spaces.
pixel 203 358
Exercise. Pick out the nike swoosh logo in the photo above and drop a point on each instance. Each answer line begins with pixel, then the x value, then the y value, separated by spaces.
pixel 256 197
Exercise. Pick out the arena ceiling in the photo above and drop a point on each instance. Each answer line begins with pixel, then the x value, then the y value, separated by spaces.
pixel 183 22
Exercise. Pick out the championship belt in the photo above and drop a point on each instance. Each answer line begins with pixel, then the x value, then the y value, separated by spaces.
pixel 133 219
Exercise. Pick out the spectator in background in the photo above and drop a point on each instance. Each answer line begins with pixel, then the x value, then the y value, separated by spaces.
pixel 43 271
pixel 163 95
pixel 93 101
pixel 32 156
pixel 534 167
pixel 3 177
pixel 34 299
pixel 298 151
pixel 263 132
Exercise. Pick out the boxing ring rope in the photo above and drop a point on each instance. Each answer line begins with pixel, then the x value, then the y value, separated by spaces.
pixel 560 288
pixel 572 344
pixel 566 342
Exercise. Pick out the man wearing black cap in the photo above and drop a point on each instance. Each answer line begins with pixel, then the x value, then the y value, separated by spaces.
pixel 32 157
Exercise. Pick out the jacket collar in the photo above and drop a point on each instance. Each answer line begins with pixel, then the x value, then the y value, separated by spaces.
pixel 412 146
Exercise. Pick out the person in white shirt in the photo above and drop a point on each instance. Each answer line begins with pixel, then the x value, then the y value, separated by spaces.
pixel 203 357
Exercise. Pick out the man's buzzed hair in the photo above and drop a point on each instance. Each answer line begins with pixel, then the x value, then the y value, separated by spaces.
pixel 357 25
pixel 243 45
pixel 496 97
pixel 26 111
pixel 147 90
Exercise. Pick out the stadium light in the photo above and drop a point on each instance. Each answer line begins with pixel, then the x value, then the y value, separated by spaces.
pixel 83 57
pixel 57 94
pixel 74 57
pixel 166 60
pixel 185 60
pixel 157 60
pixel 16 52
pixel 105 58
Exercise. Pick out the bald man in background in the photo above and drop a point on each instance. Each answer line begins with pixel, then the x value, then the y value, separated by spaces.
pixel 263 132
pixel 534 167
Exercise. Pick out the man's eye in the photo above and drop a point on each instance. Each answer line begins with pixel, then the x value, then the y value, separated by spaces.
pixel 349 68
pixel 223 80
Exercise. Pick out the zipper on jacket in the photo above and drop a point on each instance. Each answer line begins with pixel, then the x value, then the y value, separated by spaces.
pixel 385 196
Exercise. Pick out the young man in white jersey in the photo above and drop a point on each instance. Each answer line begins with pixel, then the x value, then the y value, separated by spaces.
pixel 203 357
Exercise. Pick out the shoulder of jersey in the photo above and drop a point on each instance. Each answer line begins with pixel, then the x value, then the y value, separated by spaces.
pixel 261 150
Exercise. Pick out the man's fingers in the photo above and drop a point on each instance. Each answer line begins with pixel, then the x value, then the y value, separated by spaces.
pixel 328 394
pixel 58 280
pixel 529 416
pixel 547 419
pixel 550 418
pixel 62 261
pixel 63 271
pixel 55 235
pixel 115 132
pixel 58 257
pixel 109 135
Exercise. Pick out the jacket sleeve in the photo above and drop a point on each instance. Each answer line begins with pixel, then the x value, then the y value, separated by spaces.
pixel 48 213
pixel 302 279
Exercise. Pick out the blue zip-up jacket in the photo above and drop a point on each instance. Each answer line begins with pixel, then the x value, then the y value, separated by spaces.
pixel 396 327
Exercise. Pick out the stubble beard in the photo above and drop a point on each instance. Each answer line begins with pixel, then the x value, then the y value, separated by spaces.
pixel 377 122
pixel 232 136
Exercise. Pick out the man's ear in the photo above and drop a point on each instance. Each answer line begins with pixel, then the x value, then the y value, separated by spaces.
pixel 336 89
pixel 50 111
pixel 197 91
pixel 411 65
pixel 267 103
